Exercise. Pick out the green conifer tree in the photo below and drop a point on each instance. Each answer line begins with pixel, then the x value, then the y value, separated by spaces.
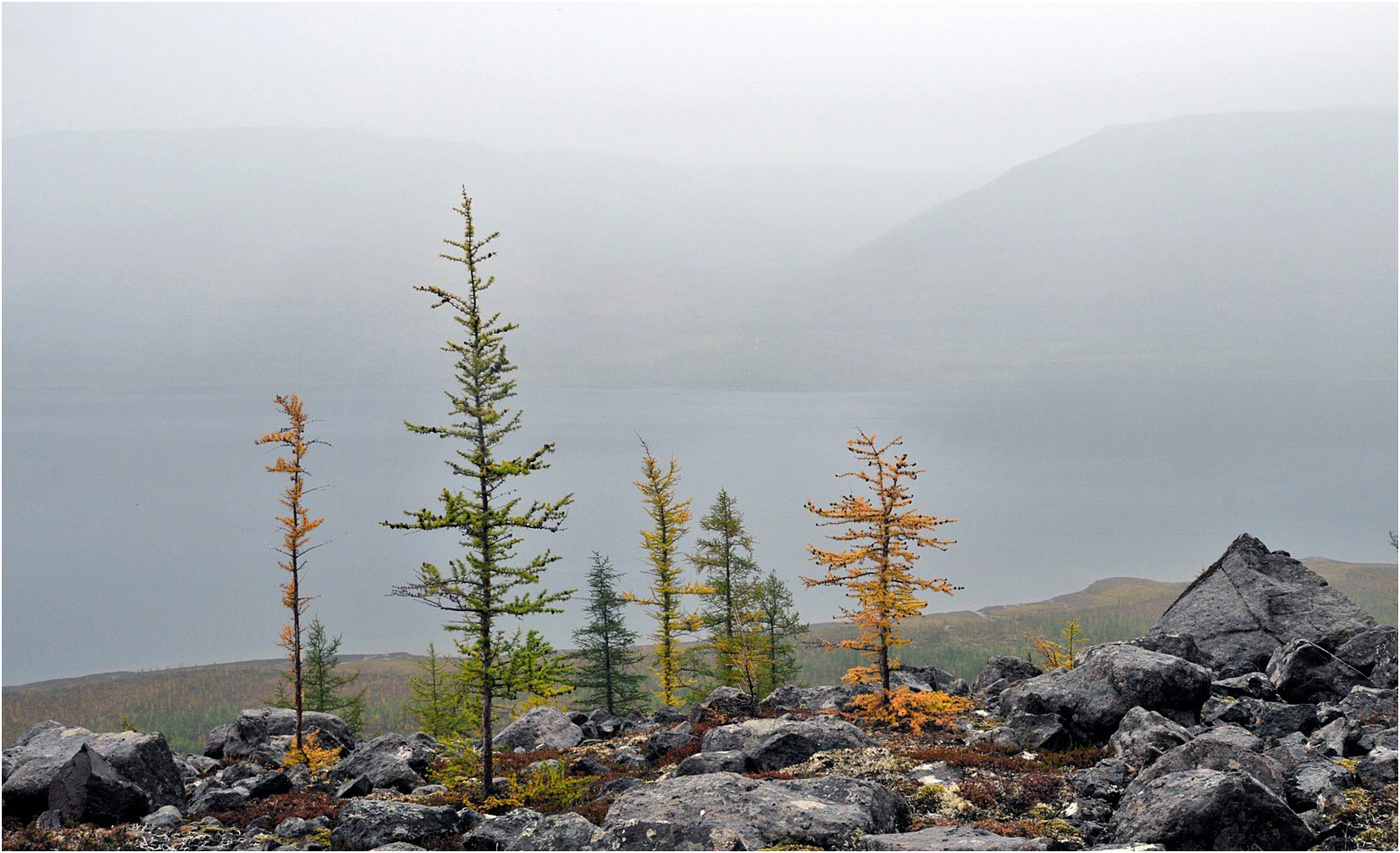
pixel 438 700
pixel 730 605
pixel 488 584
pixel 324 685
pixel 779 624
pixel 604 662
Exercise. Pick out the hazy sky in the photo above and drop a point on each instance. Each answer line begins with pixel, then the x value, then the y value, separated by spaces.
pixel 927 85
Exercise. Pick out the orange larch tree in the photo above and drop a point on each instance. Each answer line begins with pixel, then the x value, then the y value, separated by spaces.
pixel 883 531
pixel 296 532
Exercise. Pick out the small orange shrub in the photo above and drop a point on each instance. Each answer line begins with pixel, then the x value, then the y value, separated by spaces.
pixel 913 710
pixel 312 754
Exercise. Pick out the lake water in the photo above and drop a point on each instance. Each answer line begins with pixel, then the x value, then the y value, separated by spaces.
pixel 138 524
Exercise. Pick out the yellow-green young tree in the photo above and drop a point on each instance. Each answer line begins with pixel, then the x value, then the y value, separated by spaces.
pixel 661 541
pixel 488 584
pixel 877 568
pixel 729 606
pixel 296 532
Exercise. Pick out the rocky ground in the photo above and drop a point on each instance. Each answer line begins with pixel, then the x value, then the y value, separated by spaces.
pixel 1259 713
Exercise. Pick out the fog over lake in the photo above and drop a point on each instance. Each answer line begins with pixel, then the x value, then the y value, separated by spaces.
pixel 1055 484
pixel 1123 276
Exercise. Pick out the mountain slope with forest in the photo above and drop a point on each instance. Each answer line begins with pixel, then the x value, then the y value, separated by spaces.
pixel 185 703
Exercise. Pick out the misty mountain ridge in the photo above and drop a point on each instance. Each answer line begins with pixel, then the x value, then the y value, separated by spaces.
pixel 1253 244
pixel 1258 244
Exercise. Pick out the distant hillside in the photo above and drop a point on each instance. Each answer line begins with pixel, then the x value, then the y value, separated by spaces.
pixel 1252 244
pixel 186 703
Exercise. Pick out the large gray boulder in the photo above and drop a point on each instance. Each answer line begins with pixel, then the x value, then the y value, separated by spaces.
pixel 1270 720
pixel 540 728
pixel 32 764
pixel 90 790
pixel 662 742
pixel 775 744
pixel 1251 601
pixel 726 811
pixel 367 824
pixel 929 678
pixel 1209 810
pixel 1108 681
pixel 265 733
pixel 390 761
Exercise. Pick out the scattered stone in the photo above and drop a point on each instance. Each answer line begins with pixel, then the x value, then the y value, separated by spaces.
pixel 600 725
pixel 724 810
pixel 390 761
pixel 952 838
pixel 256 729
pixel 1237 610
pixel 627 756
pixel 829 697
pixel 724 705
pixel 268 784
pixel 775 744
pixel 587 765
pixel 1109 680
pixel 1269 720
pixel 1305 672
pixel 296 827
pixel 933 678
pixel 1377 769
pixel 1313 783
pixel 1251 685
pixel 1219 750
pixel 211 795
pixel 1369 705
pixel 367 824
pixel 725 761
pixel 1104 781
pixel 1001 672
pixel 165 817
pixel 1177 645
pixel 1144 735
pixel 525 829
pixel 540 728
pixel 1373 653
pixel 1034 731
pixel 1339 738
pixel 360 786
pixel 668 739
pixel 1209 810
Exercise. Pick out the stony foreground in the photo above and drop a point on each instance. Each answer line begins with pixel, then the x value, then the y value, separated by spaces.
pixel 1260 713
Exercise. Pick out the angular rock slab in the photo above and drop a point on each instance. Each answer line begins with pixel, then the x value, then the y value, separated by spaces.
pixel 1303 672
pixel 367 824
pixel 1109 680
pixel 1251 601
pixel 1209 810
pixel 89 790
pixel 718 811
